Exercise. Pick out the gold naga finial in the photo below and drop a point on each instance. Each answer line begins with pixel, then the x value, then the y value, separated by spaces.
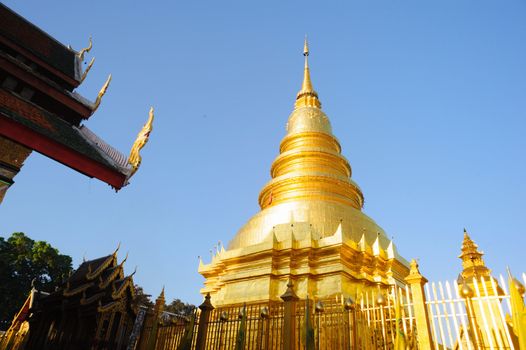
pixel 81 53
pixel 307 97
pixel 85 74
pixel 117 249
pixel 101 93
pixel 142 138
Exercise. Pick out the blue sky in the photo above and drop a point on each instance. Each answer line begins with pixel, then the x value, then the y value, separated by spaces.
pixel 426 98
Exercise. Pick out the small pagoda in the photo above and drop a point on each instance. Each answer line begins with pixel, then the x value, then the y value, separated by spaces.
pixel 40 110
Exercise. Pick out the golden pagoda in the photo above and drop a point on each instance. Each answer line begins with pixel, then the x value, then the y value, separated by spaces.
pixel 311 229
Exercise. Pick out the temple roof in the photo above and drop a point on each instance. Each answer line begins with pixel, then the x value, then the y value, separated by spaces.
pixel 78 140
pixel 40 111
pixel 50 53
pixel 95 283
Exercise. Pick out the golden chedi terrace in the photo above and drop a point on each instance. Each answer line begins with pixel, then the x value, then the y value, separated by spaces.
pixel 311 229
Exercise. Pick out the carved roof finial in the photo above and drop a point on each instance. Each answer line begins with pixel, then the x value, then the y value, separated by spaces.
pixel 135 158
pixel 81 53
pixel 101 93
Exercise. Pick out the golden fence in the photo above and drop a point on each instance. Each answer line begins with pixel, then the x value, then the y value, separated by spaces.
pixel 476 317
pixel 482 313
pixel 444 315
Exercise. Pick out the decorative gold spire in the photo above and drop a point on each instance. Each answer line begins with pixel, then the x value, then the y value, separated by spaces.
pixel 159 303
pixel 307 97
pixel 472 263
pixel 310 165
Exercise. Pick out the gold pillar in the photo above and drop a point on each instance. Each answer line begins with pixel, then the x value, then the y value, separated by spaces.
pixel 416 281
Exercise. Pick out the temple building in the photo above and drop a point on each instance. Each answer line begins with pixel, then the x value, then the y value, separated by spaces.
pixel 40 111
pixel 93 309
pixel 311 229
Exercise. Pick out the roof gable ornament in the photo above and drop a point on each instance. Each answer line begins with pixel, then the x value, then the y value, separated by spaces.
pixel 82 52
pixel 101 93
pixel 142 138
pixel 85 73
pixel 80 59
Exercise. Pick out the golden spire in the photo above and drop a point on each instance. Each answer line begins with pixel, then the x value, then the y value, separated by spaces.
pixel 472 263
pixel 307 97
pixel 310 165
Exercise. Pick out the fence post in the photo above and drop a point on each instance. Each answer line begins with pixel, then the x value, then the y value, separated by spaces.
pixel 202 330
pixel 289 318
pixel 416 281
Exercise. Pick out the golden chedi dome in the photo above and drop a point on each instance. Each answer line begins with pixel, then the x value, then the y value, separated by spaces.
pixel 311 181
pixel 311 228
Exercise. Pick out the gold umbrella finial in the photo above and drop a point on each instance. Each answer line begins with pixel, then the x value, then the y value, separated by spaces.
pixel 307 97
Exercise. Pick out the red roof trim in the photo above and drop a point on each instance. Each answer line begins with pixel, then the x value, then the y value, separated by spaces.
pixel 60 153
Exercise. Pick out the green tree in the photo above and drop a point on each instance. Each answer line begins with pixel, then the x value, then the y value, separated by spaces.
pixel 179 307
pixel 23 263
pixel 141 298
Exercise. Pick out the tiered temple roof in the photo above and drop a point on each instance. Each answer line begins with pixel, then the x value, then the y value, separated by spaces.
pixel 95 296
pixel 40 111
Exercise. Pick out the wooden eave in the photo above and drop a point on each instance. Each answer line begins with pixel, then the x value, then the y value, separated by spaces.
pixel 30 56
pixel 117 272
pixel 60 153
pixel 91 299
pixel 91 275
pixel 127 283
pixel 44 86
pixel 71 292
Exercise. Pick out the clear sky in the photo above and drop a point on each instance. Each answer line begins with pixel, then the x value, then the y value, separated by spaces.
pixel 426 97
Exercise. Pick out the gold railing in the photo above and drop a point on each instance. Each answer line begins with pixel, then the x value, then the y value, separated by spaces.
pixel 479 313
pixel 472 315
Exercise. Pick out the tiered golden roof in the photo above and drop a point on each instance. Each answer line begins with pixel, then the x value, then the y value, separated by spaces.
pixel 311 227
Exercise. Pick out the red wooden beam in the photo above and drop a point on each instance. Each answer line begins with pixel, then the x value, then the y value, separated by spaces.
pixel 60 153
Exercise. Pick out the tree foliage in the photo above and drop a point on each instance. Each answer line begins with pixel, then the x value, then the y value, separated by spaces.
pixel 24 262
pixel 179 307
pixel 141 298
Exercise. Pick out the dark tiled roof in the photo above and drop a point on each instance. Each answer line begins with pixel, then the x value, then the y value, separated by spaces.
pixel 24 33
pixel 80 274
pixel 51 127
